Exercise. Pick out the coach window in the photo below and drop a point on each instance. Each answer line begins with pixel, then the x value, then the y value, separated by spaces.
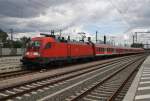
pixel 48 45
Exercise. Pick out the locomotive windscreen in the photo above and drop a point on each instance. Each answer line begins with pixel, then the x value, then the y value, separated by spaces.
pixel 34 45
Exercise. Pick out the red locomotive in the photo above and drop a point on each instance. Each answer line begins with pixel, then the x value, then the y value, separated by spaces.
pixel 45 50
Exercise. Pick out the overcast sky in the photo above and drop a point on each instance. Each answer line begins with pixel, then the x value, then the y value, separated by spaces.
pixel 106 16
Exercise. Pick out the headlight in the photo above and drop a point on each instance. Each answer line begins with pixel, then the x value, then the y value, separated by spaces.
pixel 36 54
pixel 27 53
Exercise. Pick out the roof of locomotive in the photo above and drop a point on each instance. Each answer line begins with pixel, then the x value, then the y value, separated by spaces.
pixel 51 39
pixel 44 39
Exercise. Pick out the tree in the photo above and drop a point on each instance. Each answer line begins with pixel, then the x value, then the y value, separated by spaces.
pixel 3 36
pixel 17 44
pixel 137 45
pixel 24 41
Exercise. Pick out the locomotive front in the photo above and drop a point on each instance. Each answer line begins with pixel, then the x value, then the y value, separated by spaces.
pixel 32 55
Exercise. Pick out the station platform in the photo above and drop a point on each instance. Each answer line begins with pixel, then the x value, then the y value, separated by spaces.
pixel 140 87
pixel 11 63
pixel 10 59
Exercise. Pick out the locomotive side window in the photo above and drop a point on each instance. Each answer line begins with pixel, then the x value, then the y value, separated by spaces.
pixel 48 45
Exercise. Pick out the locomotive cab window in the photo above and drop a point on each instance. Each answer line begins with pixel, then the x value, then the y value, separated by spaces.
pixel 34 44
pixel 48 45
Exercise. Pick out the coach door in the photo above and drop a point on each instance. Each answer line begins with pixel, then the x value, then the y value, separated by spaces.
pixel 94 50
pixel 69 50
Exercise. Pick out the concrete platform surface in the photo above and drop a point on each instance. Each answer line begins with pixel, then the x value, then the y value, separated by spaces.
pixel 140 88
pixel 11 63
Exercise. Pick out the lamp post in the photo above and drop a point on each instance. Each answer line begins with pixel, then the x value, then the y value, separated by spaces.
pixel 1 45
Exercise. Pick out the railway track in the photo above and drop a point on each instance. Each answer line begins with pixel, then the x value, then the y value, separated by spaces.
pixel 124 89
pixel 111 88
pixel 13 74
pixel 63 86
pixel 4 76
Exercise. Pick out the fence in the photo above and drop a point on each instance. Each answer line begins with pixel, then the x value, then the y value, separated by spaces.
pixel 11 51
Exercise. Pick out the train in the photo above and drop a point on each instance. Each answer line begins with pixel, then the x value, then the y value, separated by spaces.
pixel 49 49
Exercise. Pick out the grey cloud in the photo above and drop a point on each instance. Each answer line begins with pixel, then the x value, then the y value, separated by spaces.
pixel 135 12
pixel 26 8
pixel 21 14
